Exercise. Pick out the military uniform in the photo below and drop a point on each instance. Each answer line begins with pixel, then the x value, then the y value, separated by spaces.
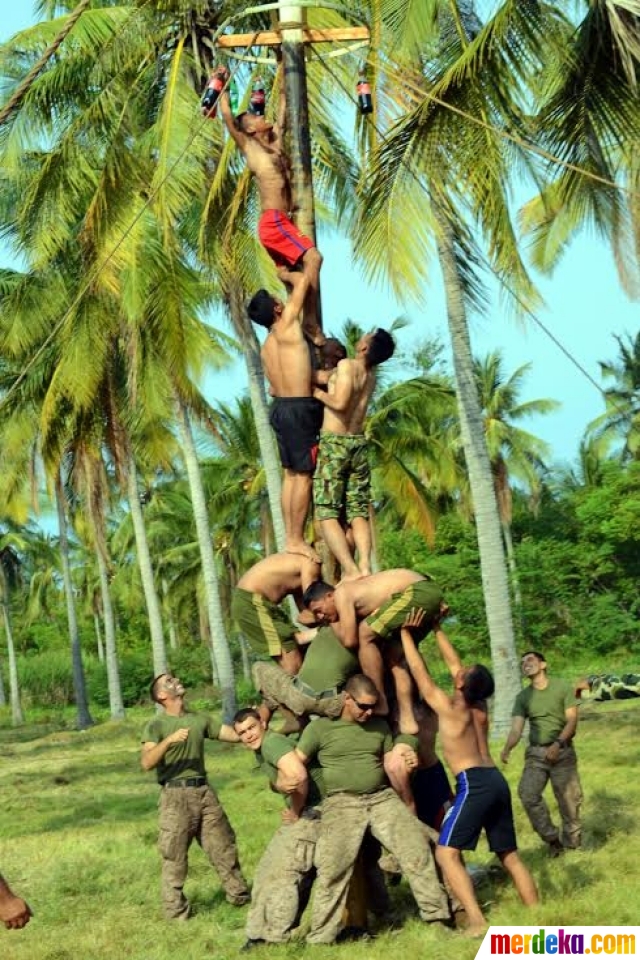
pixel 189 809
pixel 608 686
pixel 342 479
pixel 266 627
pixel 358 797
pixel 317 687
pixel 545 710
pixel 423 595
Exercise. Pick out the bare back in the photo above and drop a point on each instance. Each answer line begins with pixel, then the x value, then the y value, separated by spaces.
pixel 279 575
pixel 358 383
pixel 458 735
pixel 268 164
pixel 286 359
pixel 369 593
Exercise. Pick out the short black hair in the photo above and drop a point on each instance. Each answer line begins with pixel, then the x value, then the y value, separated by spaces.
pixel 153 687
pixel 360 684
pixel 316 591
pixel 262 308
pixel 381 347
pixel 237 121
pixel 478 684
pixel 245 713
pixel 533 653
pixel 332 344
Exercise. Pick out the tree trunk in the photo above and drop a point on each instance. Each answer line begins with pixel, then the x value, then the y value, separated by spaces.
pixel 493 566
pixel 515 579
pixel 246 662
pixel 116 707
pixel 17 717
pixel 171 624
pixel 96 624
pixel 79 686
pixel 3 696
pixel 259 405
pixel 159 651
pixel 219 643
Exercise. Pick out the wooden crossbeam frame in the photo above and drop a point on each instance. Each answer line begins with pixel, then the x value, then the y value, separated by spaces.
pixel 272 38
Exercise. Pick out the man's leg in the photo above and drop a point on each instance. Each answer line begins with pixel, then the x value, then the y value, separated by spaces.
pixel 401 833
pixel 371 663
pixel 336 540
pixel 343 825
pixel 296 499
pixel 522 879
pixel 217 839
pixel 535 775
pixel 362 537
pixel 565 782
pixel 173 843
pixel 311 263
pixel 277 689
pixel 450 859
pixel 399 774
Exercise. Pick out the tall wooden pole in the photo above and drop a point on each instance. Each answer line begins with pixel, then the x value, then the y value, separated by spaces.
pixel 292 18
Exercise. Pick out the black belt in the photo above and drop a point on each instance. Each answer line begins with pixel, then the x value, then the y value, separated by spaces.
pixel 310 692
pixel 187 782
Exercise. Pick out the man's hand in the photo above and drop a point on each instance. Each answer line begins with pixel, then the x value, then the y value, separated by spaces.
pixel 413 621
pixel 504 756
pixel 581 687
pixel 553 752
pixel 15 913
pixel 222 72
pixel 179 736
pixel 442 614
pixel 289 817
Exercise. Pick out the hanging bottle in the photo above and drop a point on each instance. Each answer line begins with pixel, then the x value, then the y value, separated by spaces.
pixel 257 102
pixel 363 92
pixel 211 93
pixel 234 99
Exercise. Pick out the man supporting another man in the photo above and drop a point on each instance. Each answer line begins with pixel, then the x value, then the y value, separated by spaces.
pixel 549 705
pixel 173 745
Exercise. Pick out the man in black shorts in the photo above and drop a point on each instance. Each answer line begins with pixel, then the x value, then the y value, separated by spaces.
pixel 482 799
pixel 288 358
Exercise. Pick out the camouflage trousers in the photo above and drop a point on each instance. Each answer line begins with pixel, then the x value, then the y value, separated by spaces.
pixel 277 687
pixel 195 813
pixel 283 880
pixel 345 818
pixel 565 784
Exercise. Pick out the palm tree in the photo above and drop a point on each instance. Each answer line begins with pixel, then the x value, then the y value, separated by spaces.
pixel 9 580
pixel 514 452
pixel 621 420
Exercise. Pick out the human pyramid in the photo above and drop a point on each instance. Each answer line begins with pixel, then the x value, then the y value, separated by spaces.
pixel 348 678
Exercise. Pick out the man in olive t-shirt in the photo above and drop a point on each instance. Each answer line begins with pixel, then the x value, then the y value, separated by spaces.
pixel 173 746
pixel 351 751
pixel 550 707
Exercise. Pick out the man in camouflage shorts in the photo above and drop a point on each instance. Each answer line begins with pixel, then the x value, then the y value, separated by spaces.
pixel 351 751
pixel 342 478
pixel 609 686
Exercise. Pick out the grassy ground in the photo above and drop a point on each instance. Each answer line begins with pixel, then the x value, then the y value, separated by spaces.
pixel 78 833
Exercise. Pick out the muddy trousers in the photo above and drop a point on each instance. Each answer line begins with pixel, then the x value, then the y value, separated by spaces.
pixel 195 813
pixel 345 817
pixel 565 784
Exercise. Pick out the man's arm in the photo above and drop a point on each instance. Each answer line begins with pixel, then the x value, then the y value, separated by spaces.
pixel 448 652
pixel 347 631
pixel 14 912
pixel 225 109
pixel 152 753
pixel 227 734
pixel 517 726
pixel 341 390
pixel 565 736
pixel 429 690
pixel 298 284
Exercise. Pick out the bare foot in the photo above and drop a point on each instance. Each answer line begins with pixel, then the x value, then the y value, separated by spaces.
pixel 346 577
pixel 365 571
pixel 381 707
pixel 475 932
pixel 304 550
pixel 265 713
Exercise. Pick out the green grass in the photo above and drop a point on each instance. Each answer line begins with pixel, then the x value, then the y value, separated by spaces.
pixel 78 833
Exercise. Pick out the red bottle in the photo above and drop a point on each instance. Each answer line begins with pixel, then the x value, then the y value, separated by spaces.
pixel 211 94
pixel 258 99
pixel 363 91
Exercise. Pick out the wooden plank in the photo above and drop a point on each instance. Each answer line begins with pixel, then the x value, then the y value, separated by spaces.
pixel 271 38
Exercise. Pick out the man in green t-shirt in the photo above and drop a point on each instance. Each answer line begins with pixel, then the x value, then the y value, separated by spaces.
pixel 351 752
pixel 173 746
pixel 550 707
pixel 283 879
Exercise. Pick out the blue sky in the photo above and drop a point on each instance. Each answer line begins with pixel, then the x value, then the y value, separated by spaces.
pixel 584 307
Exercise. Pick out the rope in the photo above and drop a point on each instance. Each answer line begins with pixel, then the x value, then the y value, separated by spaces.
pixel 38 67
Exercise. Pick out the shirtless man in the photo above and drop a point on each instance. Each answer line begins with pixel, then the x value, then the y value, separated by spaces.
pixel 342 479
pixel 255 609
pixel 482 796
pixel 371 609
pixel 296 416
pixel 262 145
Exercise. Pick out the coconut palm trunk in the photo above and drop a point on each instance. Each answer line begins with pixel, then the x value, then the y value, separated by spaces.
pixel 171 624
pixel 219 644
pixel 98 630
pixel 3 696
pixel 79 686
pixel 17 717
pixel 259 405
pixel 158 648
pixel 116 706
pixel 493 565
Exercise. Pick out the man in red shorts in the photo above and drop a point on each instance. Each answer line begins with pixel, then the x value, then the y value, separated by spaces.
pixel 262 145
